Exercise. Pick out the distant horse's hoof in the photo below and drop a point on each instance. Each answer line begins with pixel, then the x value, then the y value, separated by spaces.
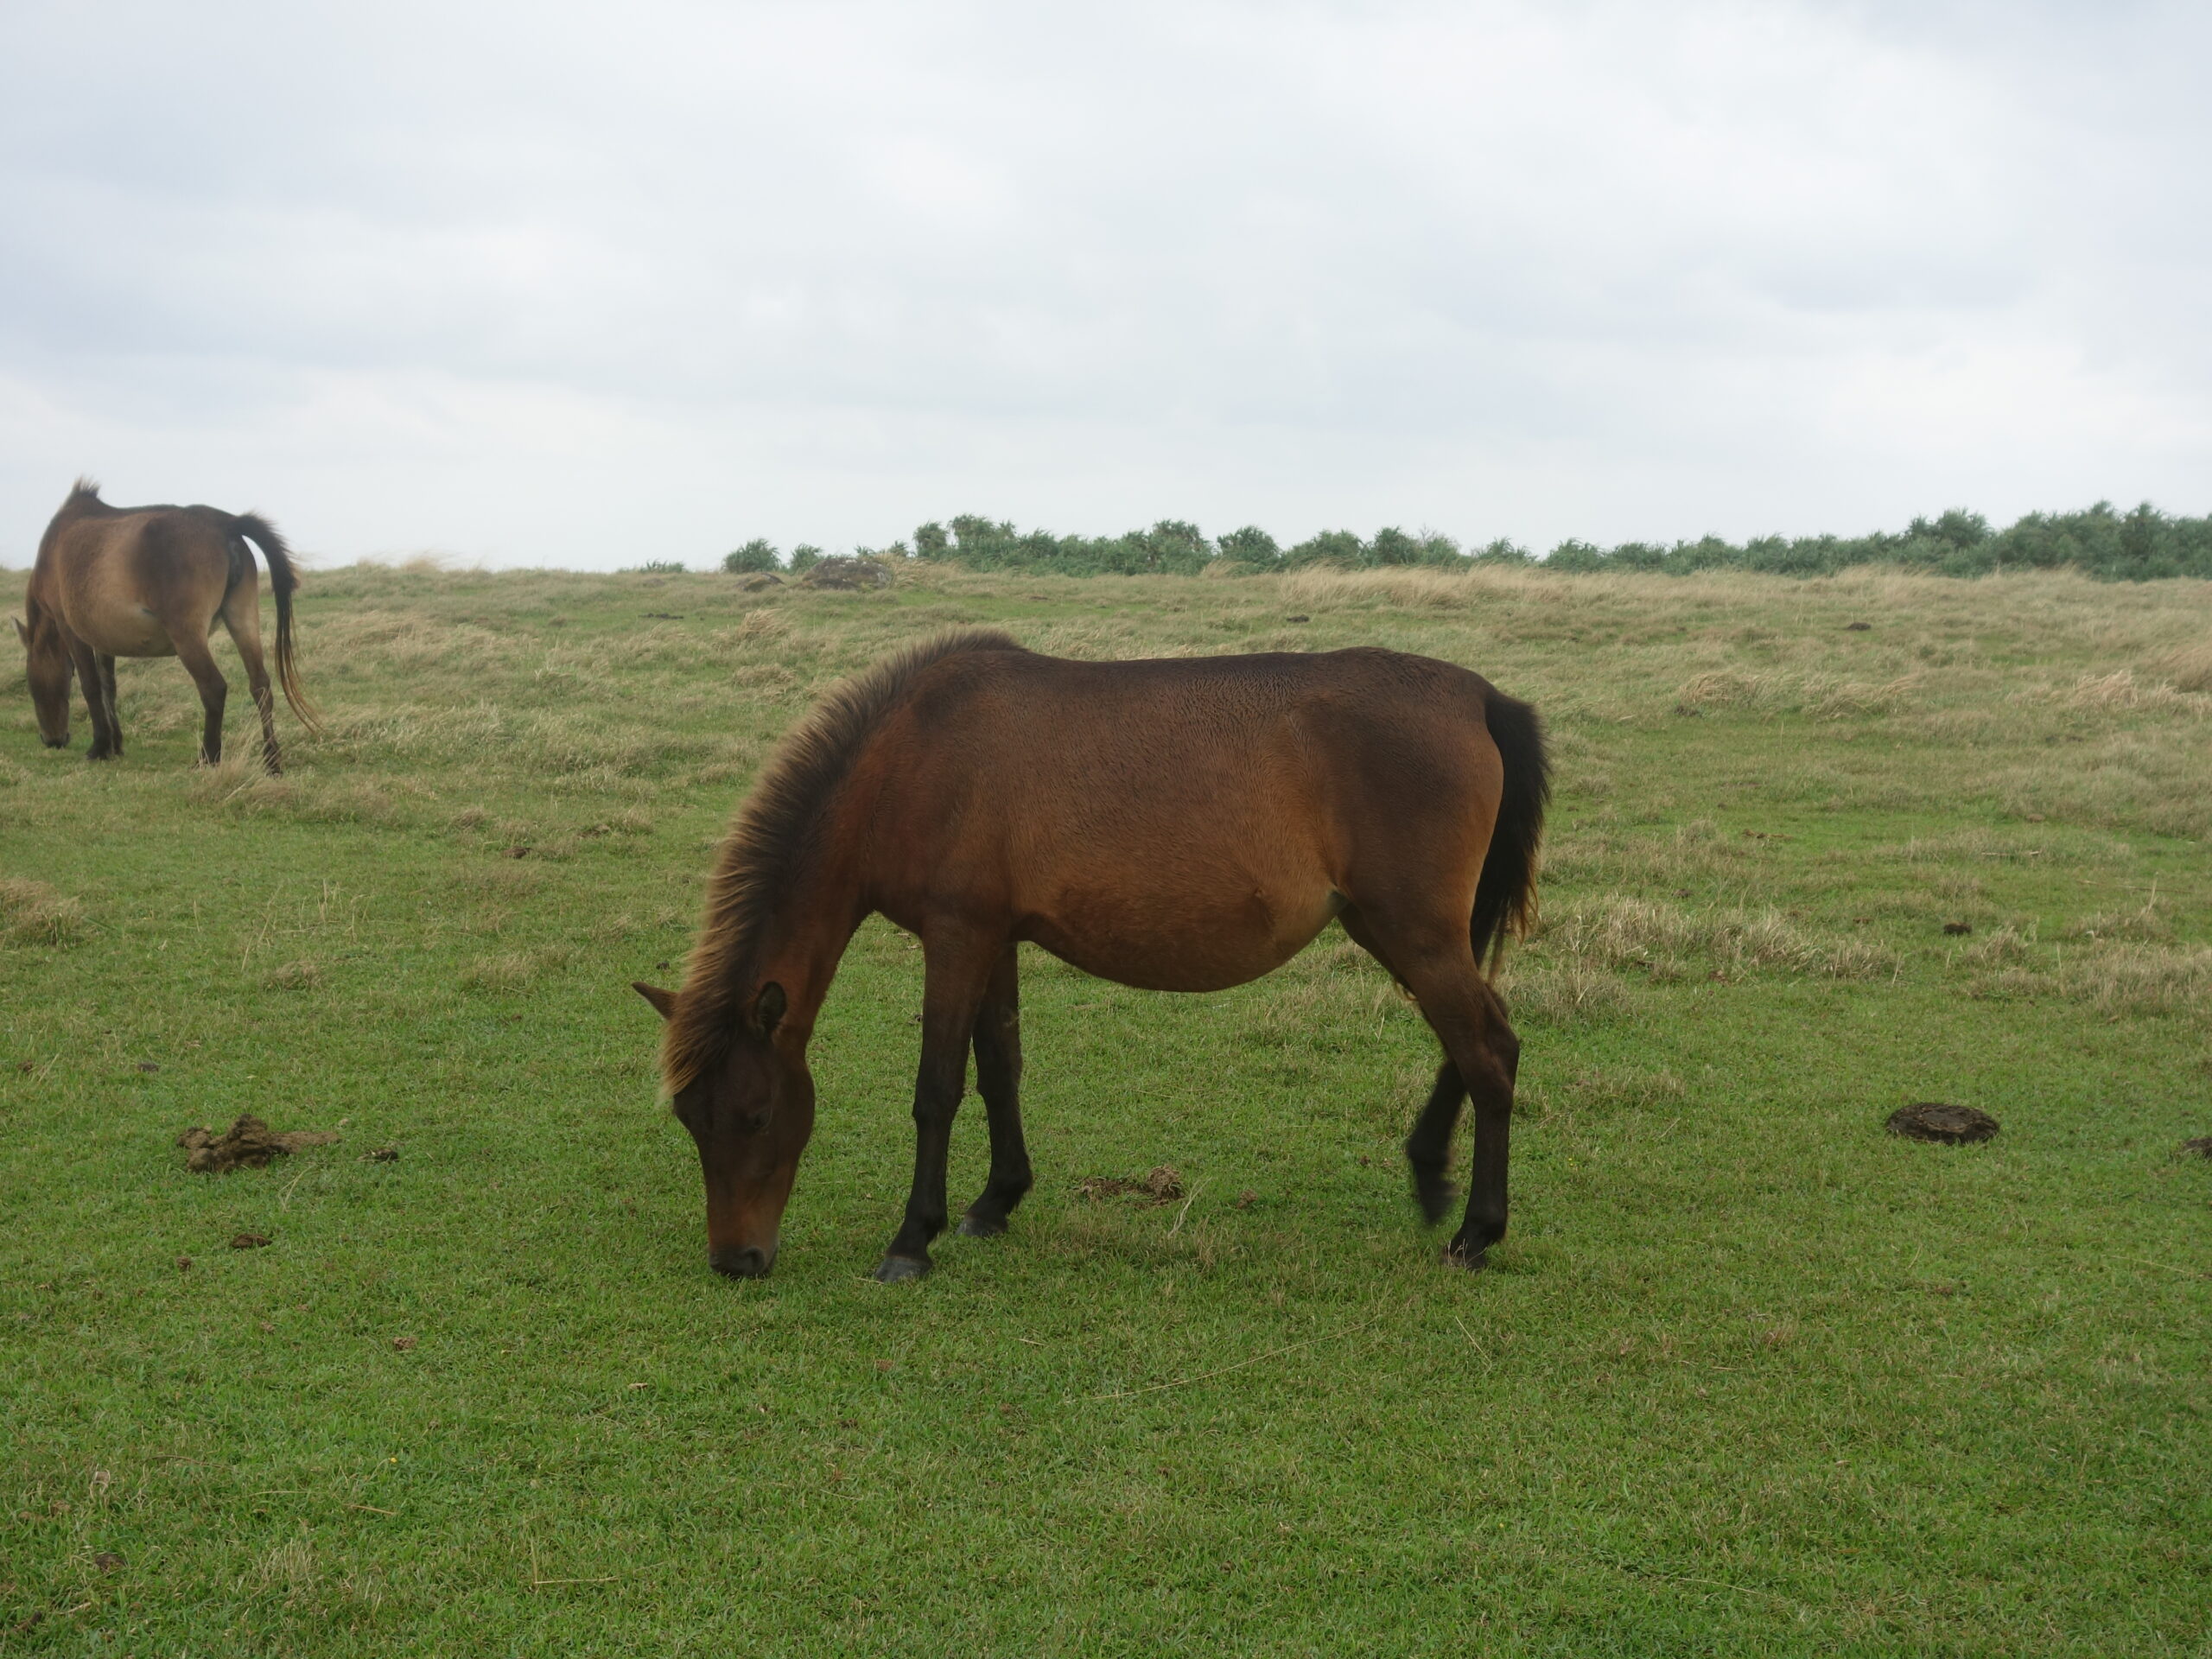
pixel 974 1226
pixel 897 1269
pixel 1465 1261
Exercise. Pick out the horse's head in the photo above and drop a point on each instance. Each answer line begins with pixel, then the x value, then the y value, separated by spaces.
pixel 48 668
pixel 751 1114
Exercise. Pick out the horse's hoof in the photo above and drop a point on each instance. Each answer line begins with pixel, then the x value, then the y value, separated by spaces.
pixel 1465 1261
pixel 974 1226
pixel 897 1269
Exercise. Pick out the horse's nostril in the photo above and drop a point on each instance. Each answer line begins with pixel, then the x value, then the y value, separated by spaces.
pixel 748 1262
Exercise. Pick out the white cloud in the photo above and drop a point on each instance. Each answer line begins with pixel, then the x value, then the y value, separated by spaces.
pixel 546 284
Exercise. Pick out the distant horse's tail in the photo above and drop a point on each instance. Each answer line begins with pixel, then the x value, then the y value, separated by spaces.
pixel 283 579
pixel 1505 894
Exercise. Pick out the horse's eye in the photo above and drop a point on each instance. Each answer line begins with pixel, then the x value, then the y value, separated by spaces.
pixel 751 1122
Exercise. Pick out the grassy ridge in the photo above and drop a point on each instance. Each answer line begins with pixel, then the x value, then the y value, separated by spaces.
pixel 1748 1376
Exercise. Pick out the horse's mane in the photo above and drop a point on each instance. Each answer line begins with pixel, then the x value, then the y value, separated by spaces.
pixel 773 831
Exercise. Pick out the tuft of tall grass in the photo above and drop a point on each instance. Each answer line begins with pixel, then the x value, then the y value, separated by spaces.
pixel 32 913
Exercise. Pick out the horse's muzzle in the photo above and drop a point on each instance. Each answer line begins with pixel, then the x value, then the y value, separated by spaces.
pixel 742 1261
pixel 54 742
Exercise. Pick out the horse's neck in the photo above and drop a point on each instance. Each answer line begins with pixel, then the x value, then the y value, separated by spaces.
pixel 805 939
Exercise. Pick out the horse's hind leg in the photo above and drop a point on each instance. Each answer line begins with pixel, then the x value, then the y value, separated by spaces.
pixel 998 1079
pixel 1428 1147
pixel 957 973
pixel 214 691
pixel 241 615
pixel 1436 961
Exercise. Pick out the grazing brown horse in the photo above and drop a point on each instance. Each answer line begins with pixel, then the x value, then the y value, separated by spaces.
pixel 1180 825
pixel 153 581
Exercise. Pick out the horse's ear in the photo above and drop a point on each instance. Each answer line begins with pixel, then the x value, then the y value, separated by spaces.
pixel 21 632
pixel 665 1001
pixel 769 1008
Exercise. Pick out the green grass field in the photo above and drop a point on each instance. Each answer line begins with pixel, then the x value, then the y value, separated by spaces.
pixel 1749 1375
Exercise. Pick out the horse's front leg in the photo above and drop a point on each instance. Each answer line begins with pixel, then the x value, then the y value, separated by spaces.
pixel 998 1079
pixel 107 697
pixel 107 741
pixel 955 973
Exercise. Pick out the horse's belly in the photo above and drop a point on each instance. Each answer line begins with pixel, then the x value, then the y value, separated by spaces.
pixel 131 632
pixel 1169 946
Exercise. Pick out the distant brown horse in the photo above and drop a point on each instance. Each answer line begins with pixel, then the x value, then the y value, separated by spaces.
pixel 1180 825
pixel 153 581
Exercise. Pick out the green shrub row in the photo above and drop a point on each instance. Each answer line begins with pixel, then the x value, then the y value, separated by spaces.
pixel 2135 546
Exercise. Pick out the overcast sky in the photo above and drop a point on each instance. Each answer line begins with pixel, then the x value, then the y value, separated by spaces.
pixel 549 284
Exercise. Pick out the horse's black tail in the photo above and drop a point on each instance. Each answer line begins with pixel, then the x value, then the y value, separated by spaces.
pixel 1505 894
pixel 283 579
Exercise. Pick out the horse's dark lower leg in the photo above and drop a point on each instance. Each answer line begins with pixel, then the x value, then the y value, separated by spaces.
pixel 106 740
pixel 998 1079
pixel 1484 1223
pixel 954 975
pixel 107 694
pixel 1428 1148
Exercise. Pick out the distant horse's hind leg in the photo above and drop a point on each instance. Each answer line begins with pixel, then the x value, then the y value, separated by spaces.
pixel 214 691
pixel 241 615
pixel 957 972
pixel 998 1079
pixel 1436 961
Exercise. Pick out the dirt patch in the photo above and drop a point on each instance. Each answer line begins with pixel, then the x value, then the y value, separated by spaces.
pixel 247 1144
pixel 248 1241
pixel 1162 1185
pixel 843 572
pixel 2200 1147
pixel 1933 1119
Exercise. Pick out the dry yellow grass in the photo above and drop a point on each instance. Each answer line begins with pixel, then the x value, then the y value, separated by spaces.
pixel 32 913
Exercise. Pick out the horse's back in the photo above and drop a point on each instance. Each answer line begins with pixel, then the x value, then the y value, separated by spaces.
pixel 1157 738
